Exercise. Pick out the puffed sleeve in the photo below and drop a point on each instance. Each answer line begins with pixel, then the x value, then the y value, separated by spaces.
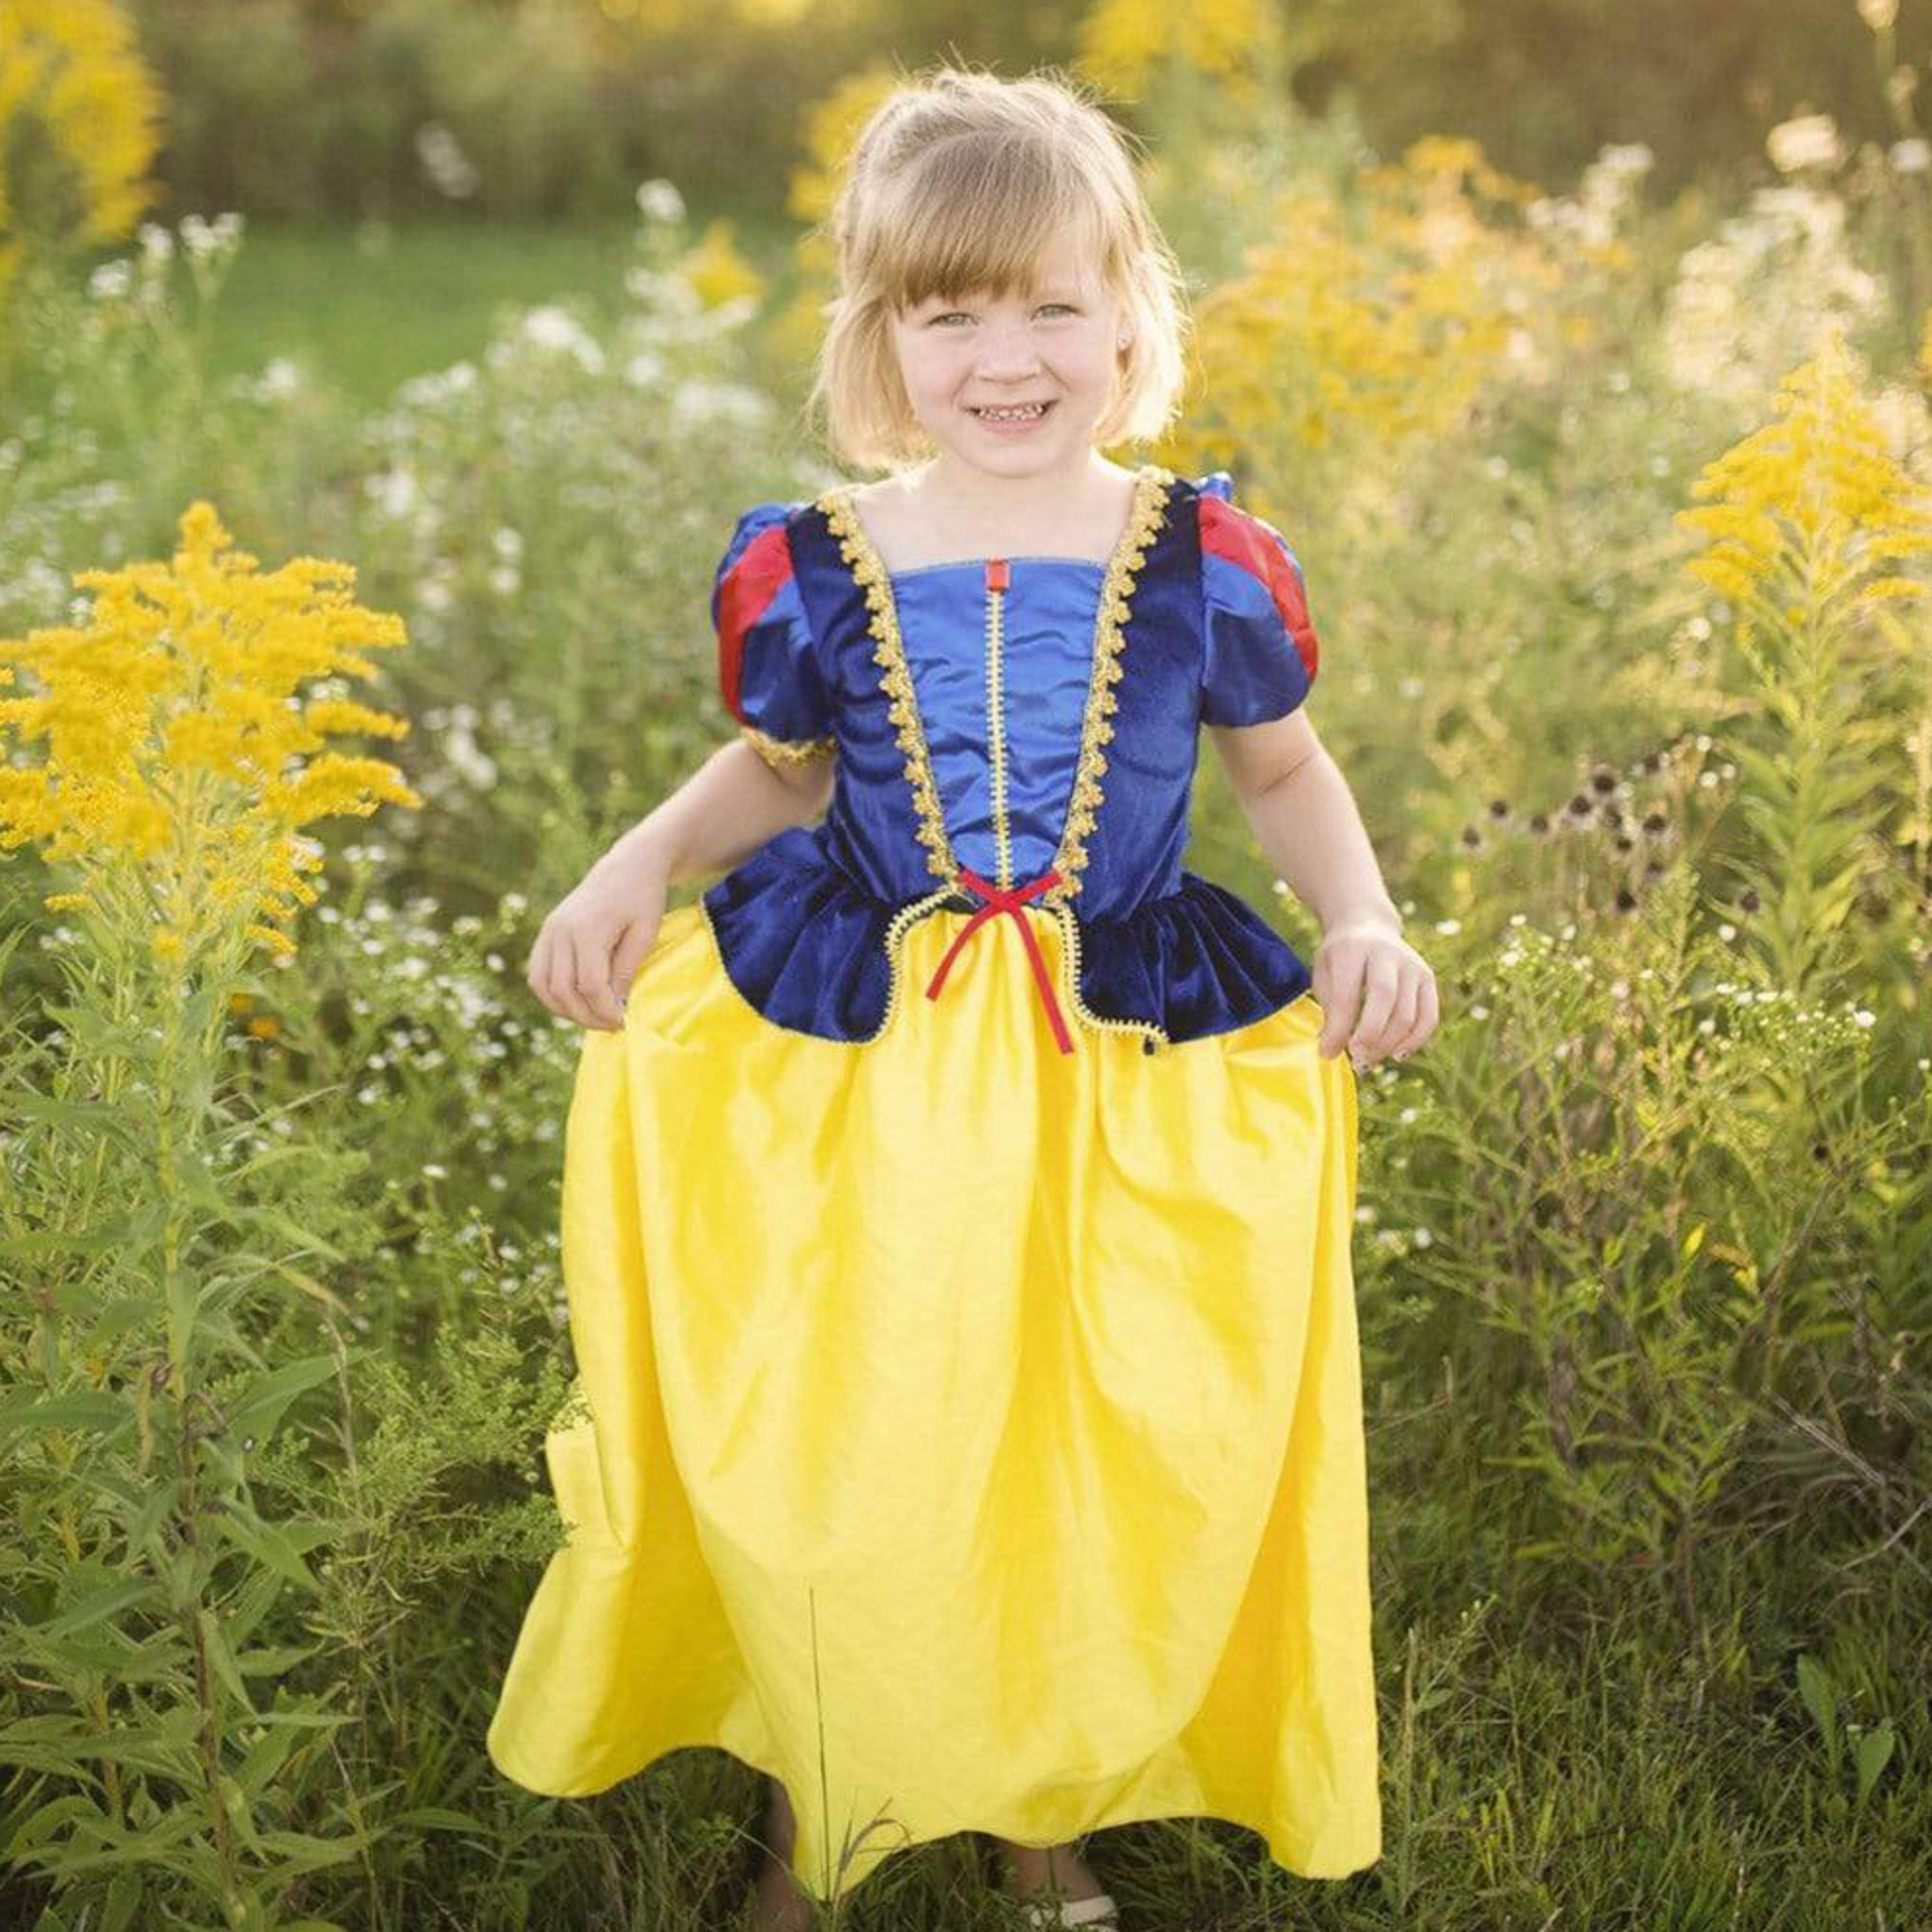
pixel 1259 650
pixel 767 668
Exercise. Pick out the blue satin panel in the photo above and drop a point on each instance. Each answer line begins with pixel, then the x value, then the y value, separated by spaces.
pixel 801 924
pixel 1047 663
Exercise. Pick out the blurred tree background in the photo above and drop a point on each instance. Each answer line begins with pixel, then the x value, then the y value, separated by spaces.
pixel 555 107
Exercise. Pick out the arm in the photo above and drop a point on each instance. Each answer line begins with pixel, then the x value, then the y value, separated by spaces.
pixel 1292 794
pixel 722 814
pixel 1377 994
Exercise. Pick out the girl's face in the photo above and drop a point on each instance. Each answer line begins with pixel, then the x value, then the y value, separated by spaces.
pixel 1057 346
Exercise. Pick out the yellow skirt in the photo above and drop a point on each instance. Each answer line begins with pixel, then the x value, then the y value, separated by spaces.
pixel 971 1433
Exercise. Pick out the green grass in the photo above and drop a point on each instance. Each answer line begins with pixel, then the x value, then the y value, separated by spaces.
pixel 367 308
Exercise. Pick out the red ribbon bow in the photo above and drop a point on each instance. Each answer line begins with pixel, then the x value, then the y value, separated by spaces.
pixel 997 902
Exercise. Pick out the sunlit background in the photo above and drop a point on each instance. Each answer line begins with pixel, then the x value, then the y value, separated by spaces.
pixel 1580 347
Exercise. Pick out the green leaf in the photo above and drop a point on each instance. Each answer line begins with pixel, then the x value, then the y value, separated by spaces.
pixel 1814 1687
pixel 437 1818
pixel 117 1123
pixel 1873 1753
pixel 299 1851
pixel 103 1411
pixel 41 1822
pixel 270 1544
pixel 258 1409
pixel 265 1757
pixel 102 1602
pixel 273 1662
pixel 124 1897
pixel 269 1216
pixel 223 1659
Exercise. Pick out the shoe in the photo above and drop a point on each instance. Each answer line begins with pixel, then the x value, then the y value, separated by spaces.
pixel 1049 1916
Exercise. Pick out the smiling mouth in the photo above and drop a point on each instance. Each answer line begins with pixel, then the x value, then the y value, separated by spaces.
pixel 1019 411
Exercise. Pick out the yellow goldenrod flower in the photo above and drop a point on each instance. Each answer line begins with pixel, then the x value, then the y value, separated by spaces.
pixel 1235 42
pixel 180 759
pixel 831 126
pixel 72 69
pixel 1814 499
pixel 1381 319
pixel 718 271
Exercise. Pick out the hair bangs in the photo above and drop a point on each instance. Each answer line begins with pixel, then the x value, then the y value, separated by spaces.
pixel 982 218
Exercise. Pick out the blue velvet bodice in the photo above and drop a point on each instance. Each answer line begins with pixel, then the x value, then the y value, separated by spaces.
pixel 1050 723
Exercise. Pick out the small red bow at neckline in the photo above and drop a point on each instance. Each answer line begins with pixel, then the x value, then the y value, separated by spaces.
pixel 997 902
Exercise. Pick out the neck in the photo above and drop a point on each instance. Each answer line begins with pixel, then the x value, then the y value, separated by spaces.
pixel 977 499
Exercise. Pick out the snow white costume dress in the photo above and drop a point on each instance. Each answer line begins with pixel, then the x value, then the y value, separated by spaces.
pixel 957 1240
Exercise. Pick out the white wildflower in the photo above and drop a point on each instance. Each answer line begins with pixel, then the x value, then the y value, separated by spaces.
pixel 697 403
pixel 1807 141
pixel 1756 299
pixel 476 767
pixel 658 200
pixel 645 371
pixel 445 163
pixel 280 379
pixel 551 327
pixel 394 491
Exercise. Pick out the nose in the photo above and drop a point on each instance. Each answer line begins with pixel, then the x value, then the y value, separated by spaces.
pixel 1006 348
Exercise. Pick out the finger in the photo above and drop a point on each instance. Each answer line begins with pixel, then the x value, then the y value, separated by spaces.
pixel 1338 992
pixel 596 981
pixel 1401 1013
pixel 1425 1016
pixel 620 975
pixel 637 944
pixel 1378 1003
pixel 540 974
pixel 576 977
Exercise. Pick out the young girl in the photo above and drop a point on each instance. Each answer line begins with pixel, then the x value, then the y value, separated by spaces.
pixel 958 1198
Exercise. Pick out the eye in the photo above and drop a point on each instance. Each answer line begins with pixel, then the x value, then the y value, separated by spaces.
pixel 951 312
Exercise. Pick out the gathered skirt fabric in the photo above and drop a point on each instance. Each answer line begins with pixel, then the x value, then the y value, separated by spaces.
pixel 971 1433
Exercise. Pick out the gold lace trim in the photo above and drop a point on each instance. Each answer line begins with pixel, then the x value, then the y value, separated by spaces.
pixel 1151 487
pixel 787 751
pixel 1070 958
pixel 896 680
pixel 1109 634
pixel 894 968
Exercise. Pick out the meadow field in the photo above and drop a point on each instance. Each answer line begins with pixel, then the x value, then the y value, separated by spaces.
pixel 354 581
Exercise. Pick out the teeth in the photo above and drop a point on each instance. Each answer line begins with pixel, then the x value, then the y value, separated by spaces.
pixel 1013 415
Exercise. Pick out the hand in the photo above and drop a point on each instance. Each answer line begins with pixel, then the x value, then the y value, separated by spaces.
pixel 588 950
pixel 1364 963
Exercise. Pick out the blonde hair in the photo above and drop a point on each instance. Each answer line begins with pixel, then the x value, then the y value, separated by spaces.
pixel 955 184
